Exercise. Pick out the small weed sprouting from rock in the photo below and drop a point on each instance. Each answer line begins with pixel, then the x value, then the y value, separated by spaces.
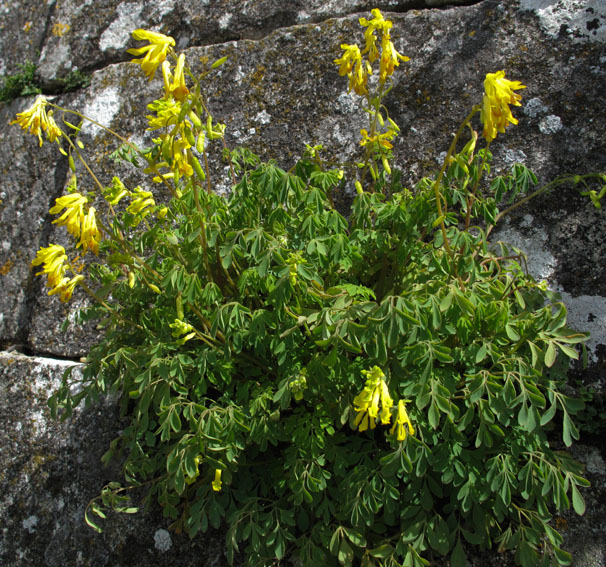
pixel 23 83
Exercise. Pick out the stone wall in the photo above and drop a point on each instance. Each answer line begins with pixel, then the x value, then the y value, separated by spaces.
pixel 278 90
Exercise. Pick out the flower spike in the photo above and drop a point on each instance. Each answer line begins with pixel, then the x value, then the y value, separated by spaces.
pixel 498 95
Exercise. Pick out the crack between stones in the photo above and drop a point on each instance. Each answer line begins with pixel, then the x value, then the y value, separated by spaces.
pixel 25 352
pixel 32 287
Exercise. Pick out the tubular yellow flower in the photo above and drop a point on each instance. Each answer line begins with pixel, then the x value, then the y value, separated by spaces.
pixel 390 59
pixel 182 328
pixel 367 402
pixel 381 139
pixel 167 113
pixel 154 54
pixel 216 484
pixel 498 95
pixel 174 86
pixel 138 207
pixel 351 64
pixel 90 235
pixel 116 192
pixel 181 165
pixel 402 419
pixel 65 288
pixel 377 22
pixel 38 120
pixel 74 212
pixel 54 259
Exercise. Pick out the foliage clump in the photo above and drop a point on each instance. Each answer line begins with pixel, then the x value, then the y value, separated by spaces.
pixel 370 389
pixel 23 83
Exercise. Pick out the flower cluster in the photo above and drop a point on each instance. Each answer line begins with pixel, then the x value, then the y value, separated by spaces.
pixel 37 120
pixel 389 57
pixel 383 140
pixel 181 328
pixel 498 95
pixel 80 225
pixel 55 264
pixel 184 133
pixel 357 69
pixel 367 402
pixel 140 201
pixel 374 402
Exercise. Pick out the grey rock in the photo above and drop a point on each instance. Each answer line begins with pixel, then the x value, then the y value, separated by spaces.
pixel 49 470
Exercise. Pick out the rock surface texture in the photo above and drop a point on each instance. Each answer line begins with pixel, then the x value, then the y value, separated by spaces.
pixel 278 90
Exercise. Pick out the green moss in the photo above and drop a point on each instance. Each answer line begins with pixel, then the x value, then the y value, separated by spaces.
pixel 23 83
pixel 26 83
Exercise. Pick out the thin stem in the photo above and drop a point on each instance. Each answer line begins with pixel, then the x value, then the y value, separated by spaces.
pixel 106 306
pixel 202 235
pixel 472 196
pixel 436 185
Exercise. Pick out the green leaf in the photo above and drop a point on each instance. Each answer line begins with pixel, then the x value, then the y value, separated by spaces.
pixel 512 333
pixel 334 542
pixel 569 430
pixel 550 355
pixel 482 352
pixel 578 503
pixel 526 555
pixel 381 552
pixel 355 537
pixel 433 415
pixel 175 420
pixel 346 554
pixel 458 557
pixel 563 557
pixel 548 415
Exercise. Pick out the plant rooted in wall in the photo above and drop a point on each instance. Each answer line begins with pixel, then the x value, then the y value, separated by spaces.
pixel 373 389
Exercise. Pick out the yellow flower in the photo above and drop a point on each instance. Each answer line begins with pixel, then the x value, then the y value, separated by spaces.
pixel 351 64
pixel 381 139
pixel 167 113
pixel 90 235
pixel 181 165
pixel 116 192
pixel 54 259
pixel 402 419
pixel 367 402
pixel 389 59
pixel 38 120
pixel 65 288
pixel 175 85
pixel 216 484
pixel 498 95
pixel 378 22
pixel 182 328
pixel 74 212
pixel 138 207
pixel 154 53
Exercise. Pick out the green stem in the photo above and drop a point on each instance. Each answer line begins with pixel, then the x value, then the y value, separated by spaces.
pixel 471 198
pixel 106 306
pixel 436 185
